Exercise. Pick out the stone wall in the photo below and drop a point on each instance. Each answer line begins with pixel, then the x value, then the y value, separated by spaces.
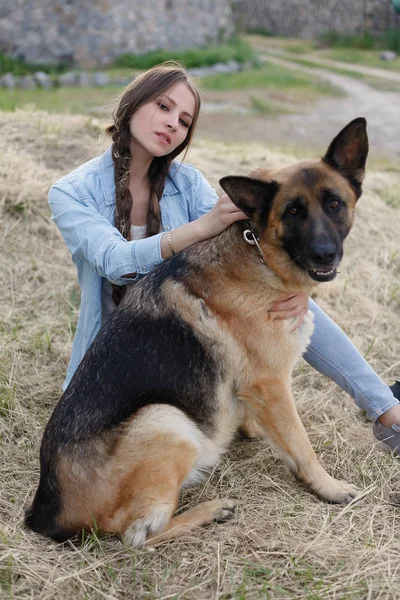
pixel 310 18
pixel 90 33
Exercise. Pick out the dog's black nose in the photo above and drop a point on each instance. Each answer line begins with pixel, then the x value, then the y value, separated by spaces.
pixel 324 253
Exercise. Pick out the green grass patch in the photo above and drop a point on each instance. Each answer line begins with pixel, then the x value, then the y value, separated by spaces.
pixel 100 101
pixel 368 58
pixel 388 165
pixel 392 196
pixel 192 57
pixel 316 65
pixel 93 101
pixel 292 45
pixel 378 83
pixel 266 107
pixel 375 82
pixel 269 76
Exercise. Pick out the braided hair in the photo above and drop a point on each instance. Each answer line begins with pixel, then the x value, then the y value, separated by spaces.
pixel 143 89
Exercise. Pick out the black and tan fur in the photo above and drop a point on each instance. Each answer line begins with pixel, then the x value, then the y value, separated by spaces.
pixel 192 354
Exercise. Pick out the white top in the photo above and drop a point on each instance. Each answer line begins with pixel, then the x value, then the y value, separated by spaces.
pixel 138 232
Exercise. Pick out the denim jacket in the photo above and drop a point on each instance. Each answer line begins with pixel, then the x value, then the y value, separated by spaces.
pixel 83 207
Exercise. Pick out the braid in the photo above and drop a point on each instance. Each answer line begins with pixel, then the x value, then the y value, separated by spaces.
pixel 157 174
pixel 123 199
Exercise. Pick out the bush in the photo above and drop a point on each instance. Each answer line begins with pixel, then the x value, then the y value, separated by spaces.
pixel 190 58
pixel 11 65
pixel 18 67
pixel 337 39
pixel 389 40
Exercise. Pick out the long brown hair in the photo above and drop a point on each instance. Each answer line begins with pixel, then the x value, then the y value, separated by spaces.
pixel 143 89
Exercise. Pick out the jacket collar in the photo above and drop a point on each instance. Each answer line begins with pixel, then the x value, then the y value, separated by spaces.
pixel 106 170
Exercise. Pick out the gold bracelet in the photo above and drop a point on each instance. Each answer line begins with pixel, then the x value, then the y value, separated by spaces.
pixel 169 237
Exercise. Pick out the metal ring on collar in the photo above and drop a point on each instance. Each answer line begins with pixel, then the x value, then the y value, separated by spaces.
pixel 250 238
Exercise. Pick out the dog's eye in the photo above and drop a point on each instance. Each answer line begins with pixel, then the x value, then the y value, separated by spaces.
pixel 293 210
pixel 334 204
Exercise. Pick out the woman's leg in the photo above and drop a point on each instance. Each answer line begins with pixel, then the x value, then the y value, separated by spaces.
pixel 332 353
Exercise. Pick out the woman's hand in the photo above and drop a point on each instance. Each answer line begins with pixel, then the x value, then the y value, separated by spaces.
pixel 294 306
pixel 223 214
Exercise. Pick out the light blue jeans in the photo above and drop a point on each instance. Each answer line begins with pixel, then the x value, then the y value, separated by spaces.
pixel 332 353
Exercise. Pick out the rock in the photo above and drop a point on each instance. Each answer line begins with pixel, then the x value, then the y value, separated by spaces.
pixel 388 55
pixel 43 80
pixel 8 81
pixel 229 67
pixel 26 82
pixel 100 79
pixel 69 79
pixel 121 80
pixel 84 79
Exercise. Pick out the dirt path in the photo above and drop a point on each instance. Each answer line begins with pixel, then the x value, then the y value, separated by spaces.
pixel 384 74
pixel 317 123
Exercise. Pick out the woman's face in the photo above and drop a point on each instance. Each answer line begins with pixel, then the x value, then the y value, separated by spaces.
pixel 161 125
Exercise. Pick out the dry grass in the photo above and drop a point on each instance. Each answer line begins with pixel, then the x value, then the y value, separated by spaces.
pixel 284 542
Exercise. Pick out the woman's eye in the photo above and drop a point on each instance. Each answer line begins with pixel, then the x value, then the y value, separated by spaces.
pixel 182 122
pixel 162 106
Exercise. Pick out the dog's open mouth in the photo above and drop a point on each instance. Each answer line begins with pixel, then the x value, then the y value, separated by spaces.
pixel 323 273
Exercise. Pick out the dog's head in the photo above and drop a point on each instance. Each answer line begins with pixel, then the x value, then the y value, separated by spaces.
pixel 304 212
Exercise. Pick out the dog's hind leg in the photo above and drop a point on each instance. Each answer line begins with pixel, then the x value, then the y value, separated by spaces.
pixel 148 494
pixel 273 405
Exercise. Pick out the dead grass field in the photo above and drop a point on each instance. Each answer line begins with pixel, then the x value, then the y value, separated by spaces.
pixel 283 543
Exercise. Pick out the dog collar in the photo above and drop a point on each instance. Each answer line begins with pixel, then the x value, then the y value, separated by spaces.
pixel 250 237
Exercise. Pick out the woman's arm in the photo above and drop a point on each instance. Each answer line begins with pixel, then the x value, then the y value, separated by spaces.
pixel 219 217
pixel 90 236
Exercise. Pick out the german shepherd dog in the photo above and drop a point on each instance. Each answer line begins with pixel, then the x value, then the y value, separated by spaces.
pixel 192 355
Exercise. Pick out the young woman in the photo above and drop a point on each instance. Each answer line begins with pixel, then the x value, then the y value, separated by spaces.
pixel 125 212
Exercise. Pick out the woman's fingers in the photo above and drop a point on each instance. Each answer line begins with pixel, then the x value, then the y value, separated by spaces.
pixel 230 210
pixel 292 305
pixel 223 214
pixel 299 320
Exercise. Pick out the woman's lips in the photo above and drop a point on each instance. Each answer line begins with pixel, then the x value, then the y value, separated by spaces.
pixel 164 137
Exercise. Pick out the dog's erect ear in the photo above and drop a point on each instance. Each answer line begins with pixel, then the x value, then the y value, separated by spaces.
pixel 348 152
pixel 253 196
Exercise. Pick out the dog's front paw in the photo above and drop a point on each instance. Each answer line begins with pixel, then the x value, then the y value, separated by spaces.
pixel 337 492
pixel 222 510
